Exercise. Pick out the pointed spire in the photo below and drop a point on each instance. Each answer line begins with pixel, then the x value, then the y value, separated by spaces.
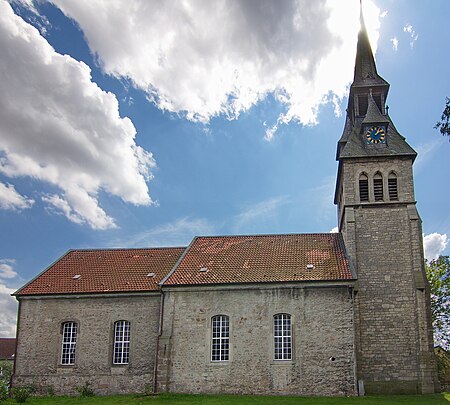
pixel 365 68
pixel 373 115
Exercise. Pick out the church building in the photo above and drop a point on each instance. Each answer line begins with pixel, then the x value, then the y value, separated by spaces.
pixel 342 313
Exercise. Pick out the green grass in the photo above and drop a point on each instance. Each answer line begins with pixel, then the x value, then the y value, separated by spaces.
pixel 176 399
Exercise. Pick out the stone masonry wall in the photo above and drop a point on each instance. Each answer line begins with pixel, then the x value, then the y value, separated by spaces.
pixel 392 317
pixel 323 342
pixel 39 343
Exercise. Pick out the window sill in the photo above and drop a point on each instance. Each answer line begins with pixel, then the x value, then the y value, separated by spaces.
pixel 282 362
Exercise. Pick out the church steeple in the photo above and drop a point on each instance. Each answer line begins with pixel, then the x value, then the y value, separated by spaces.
pixel 381 228
pixel 365 69
pixel 369 130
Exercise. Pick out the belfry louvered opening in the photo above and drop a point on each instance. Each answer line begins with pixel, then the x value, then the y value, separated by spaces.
pixel 378 186
pixel 392 187
pixel 363 188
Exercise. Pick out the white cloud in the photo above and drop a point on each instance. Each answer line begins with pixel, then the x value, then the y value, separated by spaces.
pixel 8 313
pixel 434 244
pixel 6 270
pixel 57 126
pixel 10 199
pixel 202 59
pixel 394 43
pixel 335 230
pixel 408 28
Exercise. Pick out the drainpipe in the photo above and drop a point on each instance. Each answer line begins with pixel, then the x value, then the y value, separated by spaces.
pixel 161 317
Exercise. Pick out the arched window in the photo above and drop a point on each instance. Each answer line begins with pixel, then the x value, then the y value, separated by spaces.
pixel 121 342
pixel 69 342
pixel 363 187
pixel 220 338
pixel 378 186
pixel 392 187
pixel 282 335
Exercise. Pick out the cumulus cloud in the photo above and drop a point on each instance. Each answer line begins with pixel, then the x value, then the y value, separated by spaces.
pixel 8 313
pixel 8 304
pixel 6 268
pixel 434 244
pixel 408 28
pixel 57 126
pixel 335 230
pixel 203 59
pixel 10 199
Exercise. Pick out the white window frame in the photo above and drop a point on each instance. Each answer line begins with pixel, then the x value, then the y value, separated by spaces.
pixel 69 343
pixel 122 337
pixel 220 338
pixel 282 336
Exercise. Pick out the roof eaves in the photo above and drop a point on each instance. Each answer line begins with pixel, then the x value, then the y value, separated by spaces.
pixel 324 282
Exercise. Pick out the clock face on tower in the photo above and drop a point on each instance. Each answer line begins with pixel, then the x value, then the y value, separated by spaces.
pixel 376 135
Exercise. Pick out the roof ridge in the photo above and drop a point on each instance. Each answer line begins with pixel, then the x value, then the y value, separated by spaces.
pixel 263 235
pixel 125 249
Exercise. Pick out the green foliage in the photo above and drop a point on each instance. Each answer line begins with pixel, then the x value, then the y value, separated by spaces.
pixel 20 394
pixel 444 124
pixel 50 391
pixel 7 370
pixel 148 389
pixel 86 390
pixel 3 391
pixel 438 274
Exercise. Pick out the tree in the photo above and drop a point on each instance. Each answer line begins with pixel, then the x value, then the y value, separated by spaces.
pixel 444 124
pixel 438 274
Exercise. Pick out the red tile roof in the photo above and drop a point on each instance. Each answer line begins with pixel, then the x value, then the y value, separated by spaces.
pixel 100 271
pixel 263 258
pixel 7 348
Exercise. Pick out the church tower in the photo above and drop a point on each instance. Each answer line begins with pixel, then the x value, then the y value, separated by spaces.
pixel 383 235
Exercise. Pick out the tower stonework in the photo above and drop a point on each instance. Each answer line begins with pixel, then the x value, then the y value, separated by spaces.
pixel 383 236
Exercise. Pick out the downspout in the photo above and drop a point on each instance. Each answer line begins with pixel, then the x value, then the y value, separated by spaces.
pixel 161 317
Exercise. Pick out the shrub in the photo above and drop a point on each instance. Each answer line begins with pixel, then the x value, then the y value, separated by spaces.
pixel 50 391
pixel 3 391
pixel 148 389
pixel 20 394
pixel 86 390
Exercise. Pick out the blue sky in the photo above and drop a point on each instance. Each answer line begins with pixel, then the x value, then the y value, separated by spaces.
pixel 146 125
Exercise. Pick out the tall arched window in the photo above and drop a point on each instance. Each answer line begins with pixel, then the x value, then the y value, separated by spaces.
pixel 121 342
pixel 282 335
pixel 363 187
pixel 69 342
pixel 220 338
pixel 378 186
pixel 392 187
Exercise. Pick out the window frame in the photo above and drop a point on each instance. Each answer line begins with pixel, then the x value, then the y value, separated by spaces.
pixel 121 343
pixel 69 331
pixel 282 337
pixel 220 339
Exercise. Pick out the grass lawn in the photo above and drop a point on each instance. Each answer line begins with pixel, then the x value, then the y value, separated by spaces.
pixel 176 399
